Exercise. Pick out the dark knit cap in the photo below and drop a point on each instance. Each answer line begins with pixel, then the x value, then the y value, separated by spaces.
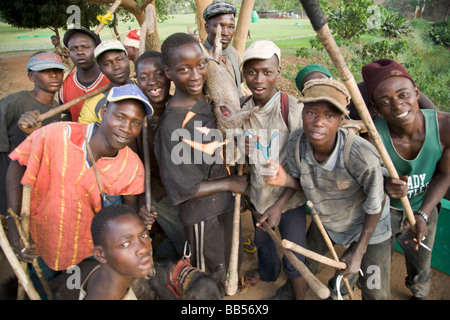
pixel 90 33
pixel 377 71
pixel 218 7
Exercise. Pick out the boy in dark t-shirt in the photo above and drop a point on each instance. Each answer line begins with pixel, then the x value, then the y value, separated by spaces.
pixel 188 151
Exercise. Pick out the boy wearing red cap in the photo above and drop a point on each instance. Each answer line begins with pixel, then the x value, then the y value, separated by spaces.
pixel 131 44
pixel 419 146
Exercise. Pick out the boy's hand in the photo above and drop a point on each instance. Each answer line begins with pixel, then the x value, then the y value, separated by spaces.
pixel 274 174
pixel 238 184
pixel 272 216
pixel 396 188
pixel 29 121
pixel 148 217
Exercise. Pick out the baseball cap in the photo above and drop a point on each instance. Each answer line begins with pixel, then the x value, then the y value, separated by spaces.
pixel 108 45
pixel 377 71
pixel 315 67
pixel 329 90
pixel 218 7
pixel 132 39
pixel 86 31
pixel 129 91
pixel 261 49
pixel 45 60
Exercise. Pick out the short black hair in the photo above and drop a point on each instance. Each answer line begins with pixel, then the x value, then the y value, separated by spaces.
pixel 99 225
pixel 174 41
pixel 146 55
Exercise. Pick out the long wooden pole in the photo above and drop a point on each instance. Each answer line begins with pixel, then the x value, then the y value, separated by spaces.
pixel 323 32
pixel 231 284
pixel 243 25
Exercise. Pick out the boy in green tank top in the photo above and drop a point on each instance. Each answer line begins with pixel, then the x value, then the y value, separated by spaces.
pixel 420 150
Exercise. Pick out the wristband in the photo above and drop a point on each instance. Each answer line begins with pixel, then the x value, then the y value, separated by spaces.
pixel 423 214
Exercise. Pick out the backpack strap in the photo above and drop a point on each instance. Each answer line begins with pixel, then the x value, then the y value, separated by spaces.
pixel 285 108
pixel 348 146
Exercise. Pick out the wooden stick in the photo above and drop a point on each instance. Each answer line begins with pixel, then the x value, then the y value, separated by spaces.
pixel 231 284
pixel 24 222
pixel 312 255
pixel 318 287
pixel 69 104
pixel 327 239
pixel 23 277
pixel 323 32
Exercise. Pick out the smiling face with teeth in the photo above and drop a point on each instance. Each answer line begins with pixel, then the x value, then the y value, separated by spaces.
pixel 396 98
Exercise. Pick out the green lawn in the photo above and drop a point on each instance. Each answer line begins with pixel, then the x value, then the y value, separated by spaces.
pixel 286 33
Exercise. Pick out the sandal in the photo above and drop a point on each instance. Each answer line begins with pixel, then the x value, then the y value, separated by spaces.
pixel 249 246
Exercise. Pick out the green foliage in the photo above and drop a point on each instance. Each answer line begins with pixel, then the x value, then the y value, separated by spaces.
pixel 381 49
pixel 349 20
pixel 393 24
pixel 439 33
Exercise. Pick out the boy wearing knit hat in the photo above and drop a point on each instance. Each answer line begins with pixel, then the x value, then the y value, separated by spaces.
pixel 418 143
pixel 341 174
pixel 223 13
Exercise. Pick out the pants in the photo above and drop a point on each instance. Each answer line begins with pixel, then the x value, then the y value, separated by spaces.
pixel 418 263
pixel 376 263
pixel 170 222
pixel 292 227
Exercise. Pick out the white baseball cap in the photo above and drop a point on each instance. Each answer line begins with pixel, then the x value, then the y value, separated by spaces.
pixel 262 50
pixel 108 45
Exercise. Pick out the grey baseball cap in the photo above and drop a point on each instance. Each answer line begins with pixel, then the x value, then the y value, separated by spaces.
pixel 45 60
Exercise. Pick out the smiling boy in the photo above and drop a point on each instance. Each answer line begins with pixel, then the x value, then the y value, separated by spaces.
pixel 54 160
pixel 418 143
pixel 201 189
pixel 343 179
pixel 275 118
pixel 123 247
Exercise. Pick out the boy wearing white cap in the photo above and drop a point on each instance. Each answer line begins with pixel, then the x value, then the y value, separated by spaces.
pixel 268 128
pixel 56 160
pixel 112 59
pixel 46 70
pixel 342 175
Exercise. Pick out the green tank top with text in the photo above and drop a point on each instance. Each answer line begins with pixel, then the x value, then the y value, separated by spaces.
pixel 420 170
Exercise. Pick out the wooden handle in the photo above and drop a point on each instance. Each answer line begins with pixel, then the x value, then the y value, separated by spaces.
pixel 312 255
pixel 23 276
pixel 323 32
pixel 71 103
pixel 231 284
pixel 327 239
pixel 318 287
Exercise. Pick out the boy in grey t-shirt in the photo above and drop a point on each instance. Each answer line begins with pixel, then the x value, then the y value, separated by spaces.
pixel 345 183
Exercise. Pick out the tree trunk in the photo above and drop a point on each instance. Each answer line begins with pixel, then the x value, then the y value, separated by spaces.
pixel 200 6
pixel 243 25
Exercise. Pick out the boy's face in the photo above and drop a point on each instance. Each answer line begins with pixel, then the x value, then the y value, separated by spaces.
pixel 81 50
pixel 187 69
pixel 321 121
pixel 127 247
pixel 396 98
pixel 55 41
pixel 261 76
pixel 49 80
pixel 122 122
pixel 152 80
pixel 227 23
pixel 115 66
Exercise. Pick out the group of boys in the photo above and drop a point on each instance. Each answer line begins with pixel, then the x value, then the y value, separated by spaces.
pixel 296 150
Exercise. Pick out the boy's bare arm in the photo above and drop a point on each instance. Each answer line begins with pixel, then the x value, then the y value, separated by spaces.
pixel 233 183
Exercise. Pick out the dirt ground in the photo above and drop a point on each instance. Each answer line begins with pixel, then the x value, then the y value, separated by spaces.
pixel 13 78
